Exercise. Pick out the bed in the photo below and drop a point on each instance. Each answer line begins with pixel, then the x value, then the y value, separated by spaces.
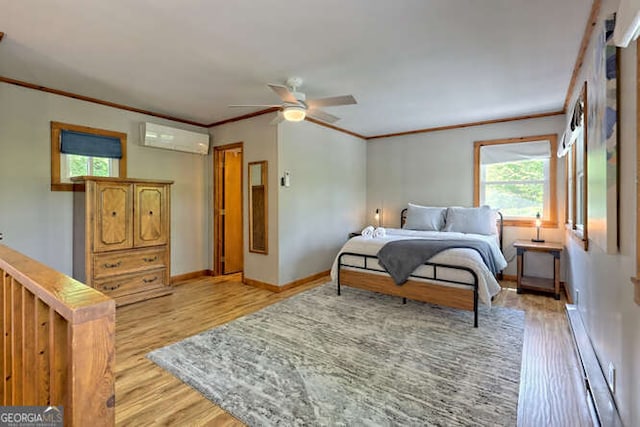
pixel 456 277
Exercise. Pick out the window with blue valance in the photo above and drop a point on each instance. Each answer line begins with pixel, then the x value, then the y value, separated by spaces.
pixel 87 144
pixel 78 150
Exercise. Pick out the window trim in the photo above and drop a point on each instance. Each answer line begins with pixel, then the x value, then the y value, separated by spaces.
pixel 579 232
pixel 552 222
pixel 56 128
pixel 635 280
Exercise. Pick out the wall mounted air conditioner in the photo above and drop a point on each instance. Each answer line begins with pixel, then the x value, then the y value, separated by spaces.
pixel 153 135
pixel 627 26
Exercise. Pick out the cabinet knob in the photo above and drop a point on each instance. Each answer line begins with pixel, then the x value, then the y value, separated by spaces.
pixel 113 213
pixel 150 280
pixel 114 265
pixel 150 212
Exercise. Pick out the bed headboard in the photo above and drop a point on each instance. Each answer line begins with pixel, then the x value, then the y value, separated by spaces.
pixel 403 219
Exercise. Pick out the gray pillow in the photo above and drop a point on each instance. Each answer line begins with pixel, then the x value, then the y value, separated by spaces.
pixel 424 218
pixel 480 220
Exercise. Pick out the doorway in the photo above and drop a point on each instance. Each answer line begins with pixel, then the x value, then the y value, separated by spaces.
pixel 227 208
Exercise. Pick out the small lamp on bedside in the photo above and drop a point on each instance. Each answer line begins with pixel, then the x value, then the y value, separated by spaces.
pixel 377 217
pixel 538 225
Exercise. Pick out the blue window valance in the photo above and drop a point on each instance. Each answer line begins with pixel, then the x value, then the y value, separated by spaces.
pixel 87 144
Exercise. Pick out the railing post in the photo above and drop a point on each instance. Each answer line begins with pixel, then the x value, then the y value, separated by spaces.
pixel 58 342
pixel 92 367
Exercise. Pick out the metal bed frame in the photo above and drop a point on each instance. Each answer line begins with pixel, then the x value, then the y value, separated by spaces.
pixel 473 286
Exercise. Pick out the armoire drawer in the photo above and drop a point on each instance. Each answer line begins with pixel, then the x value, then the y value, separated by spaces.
pixel 124 285
pixel 115 263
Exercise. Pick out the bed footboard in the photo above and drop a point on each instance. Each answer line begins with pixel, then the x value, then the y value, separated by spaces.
pixel 426 289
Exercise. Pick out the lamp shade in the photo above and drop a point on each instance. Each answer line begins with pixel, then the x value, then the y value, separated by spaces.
pixel 538 225
pixel 294 113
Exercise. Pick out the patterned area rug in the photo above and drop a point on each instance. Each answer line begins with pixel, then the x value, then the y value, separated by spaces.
pixel 358 359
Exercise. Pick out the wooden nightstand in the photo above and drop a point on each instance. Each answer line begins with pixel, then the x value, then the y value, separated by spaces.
pixel 540 284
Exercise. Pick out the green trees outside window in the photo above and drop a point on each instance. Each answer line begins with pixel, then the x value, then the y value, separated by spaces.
pixel 83 165
pixel 517 187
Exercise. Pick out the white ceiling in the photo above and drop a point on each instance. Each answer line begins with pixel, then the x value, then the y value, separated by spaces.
pixel 411 64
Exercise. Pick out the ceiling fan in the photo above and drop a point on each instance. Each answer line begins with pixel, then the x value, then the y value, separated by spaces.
pixel 295 106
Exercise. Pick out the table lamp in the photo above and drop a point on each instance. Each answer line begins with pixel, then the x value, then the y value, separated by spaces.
pixel 538 225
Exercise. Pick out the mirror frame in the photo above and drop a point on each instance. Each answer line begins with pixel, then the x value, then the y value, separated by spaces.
pixel 264 175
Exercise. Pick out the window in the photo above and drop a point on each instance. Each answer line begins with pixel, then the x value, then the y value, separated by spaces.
pixel 78 165
pixel 574 147
pixel 570 201
pixel 79 150
pixel 518 177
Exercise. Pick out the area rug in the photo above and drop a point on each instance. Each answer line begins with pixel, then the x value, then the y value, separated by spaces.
pixel 357 359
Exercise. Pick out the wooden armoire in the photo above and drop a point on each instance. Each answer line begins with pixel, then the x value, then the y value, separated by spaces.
pixel 121 236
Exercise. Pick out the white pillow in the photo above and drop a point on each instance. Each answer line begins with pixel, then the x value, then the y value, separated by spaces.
pixel 480 220
pixel 424 218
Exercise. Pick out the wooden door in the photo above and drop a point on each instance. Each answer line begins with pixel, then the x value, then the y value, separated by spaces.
pixel 151 215
pixel 232 218
pixel 113 216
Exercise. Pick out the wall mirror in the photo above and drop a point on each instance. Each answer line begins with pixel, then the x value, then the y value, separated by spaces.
pixel 258 190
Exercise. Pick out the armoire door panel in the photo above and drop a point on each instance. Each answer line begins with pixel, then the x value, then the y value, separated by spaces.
pixel 151 216
pixel 113 223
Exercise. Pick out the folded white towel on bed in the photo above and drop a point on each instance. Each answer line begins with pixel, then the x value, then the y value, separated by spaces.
pixel 367 232
pixel 379 232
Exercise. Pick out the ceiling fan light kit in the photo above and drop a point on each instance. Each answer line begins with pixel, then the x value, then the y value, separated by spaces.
pixel 294 113
pixel 295 106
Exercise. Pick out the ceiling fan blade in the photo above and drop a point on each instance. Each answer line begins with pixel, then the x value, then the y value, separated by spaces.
pixel 322 116
pixel 283 92
pixel 252 105
pixel 331 101
pixel 278 119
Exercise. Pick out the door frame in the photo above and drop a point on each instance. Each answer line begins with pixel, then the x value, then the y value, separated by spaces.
pixel 218 178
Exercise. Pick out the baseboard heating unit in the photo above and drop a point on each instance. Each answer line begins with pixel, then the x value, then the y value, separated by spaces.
pixel 600 400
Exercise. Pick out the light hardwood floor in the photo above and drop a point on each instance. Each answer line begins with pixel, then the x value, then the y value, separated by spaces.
pixel 147 395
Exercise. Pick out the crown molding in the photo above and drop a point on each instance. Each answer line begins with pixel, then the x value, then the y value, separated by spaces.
pixel 469 124
pixel 97 101
pixel 261 112
pixel 336 128
pixel 588 30
pixel 243 117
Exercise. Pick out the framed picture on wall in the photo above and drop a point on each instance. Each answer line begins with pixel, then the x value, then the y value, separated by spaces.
pixel 602 151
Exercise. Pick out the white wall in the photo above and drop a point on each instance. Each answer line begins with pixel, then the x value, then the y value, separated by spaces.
pixel 606 295
pixel 259 140
pixel 38 222
pixel 326 198
pixel 436 169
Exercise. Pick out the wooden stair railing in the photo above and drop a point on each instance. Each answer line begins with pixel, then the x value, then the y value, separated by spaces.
pixel 58 342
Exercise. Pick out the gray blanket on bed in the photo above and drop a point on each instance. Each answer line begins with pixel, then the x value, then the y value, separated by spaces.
pixel 401 257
